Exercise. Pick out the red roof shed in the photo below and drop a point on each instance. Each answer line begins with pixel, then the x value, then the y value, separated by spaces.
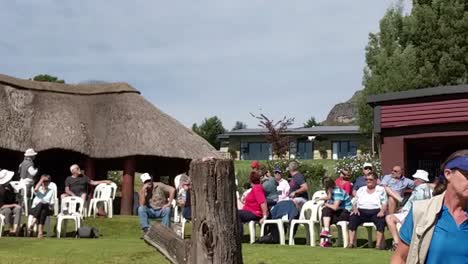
pixel 418 129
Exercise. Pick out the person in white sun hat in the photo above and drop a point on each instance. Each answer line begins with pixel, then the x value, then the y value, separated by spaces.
pixel 422 191
pixel 27 170
pixel 9 206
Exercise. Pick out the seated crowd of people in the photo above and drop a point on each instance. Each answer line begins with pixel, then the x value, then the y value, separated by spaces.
pixel 383 201
pixel 370 199
pixel 12 195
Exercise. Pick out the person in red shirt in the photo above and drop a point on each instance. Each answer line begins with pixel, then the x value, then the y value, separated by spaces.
pixel 255 206
pixel 344 181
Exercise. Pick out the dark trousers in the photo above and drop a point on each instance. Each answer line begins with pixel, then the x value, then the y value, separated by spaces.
pixel 187 212
pixel 366 215
pixel 40 212
pixel 336 216
pixel 245 217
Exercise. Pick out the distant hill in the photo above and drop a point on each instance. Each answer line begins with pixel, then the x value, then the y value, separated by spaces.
pixel 343 114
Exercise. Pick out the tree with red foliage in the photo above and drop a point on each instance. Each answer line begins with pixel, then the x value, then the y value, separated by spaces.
pixel 275 133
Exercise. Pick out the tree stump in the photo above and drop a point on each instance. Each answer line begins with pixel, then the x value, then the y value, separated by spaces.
pixel 215 230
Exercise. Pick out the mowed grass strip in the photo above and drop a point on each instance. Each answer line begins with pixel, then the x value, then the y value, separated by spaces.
pixel 121 243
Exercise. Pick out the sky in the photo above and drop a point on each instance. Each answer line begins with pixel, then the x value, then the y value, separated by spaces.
pixel 197 59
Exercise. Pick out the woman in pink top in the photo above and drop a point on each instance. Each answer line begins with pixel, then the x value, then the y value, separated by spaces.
pixel 255 206
pixel 343 181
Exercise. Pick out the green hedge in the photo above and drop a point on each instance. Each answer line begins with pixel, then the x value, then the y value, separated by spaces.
pixel 313 171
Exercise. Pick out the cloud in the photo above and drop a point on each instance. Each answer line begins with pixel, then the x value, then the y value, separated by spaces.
pixel 224 58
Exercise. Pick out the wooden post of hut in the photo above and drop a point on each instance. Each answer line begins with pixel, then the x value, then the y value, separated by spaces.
pixel 215 230
pixel 126 205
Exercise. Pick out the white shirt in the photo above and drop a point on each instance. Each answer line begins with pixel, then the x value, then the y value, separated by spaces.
pixel 43 196
pixel 283 190
pixel 375 200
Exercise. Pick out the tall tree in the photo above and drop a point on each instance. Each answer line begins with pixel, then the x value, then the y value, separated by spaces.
pixel 239 125
pixel 311 122
pixel 209 129
pixel 275 133
pixel 426 48
pixel 47 78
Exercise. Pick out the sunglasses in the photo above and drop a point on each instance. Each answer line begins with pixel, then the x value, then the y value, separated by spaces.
pixel 368 168
pixel 369 180
pixel 345 174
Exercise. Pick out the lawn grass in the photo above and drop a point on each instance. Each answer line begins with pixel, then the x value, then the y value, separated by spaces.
pixel 120 243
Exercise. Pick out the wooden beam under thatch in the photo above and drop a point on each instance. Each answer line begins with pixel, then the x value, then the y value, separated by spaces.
pixel 215 229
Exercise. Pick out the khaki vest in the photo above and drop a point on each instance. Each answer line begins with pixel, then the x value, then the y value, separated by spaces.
pixel 424 216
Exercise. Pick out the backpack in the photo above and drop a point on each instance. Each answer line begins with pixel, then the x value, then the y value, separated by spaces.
pixel 88 232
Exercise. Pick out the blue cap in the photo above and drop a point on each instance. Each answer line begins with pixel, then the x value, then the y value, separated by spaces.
pixel 458 163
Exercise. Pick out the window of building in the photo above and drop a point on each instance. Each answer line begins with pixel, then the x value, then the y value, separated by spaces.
pixel 342 149
pixel 305 150
pixel 255 151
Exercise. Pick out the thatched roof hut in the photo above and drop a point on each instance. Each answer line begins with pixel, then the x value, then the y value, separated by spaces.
pixel 106 123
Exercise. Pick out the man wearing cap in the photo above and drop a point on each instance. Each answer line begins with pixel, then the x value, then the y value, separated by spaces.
pixel 77 183
pixel 395 185
pixel 27 170
pixel 9 206
pixel 283 186
pixel 361 180
pixel 422 191
pixel 155 202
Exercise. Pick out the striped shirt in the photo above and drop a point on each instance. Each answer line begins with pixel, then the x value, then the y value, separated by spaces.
pixel 339 194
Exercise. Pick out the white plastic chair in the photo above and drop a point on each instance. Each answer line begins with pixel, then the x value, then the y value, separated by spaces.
pixel 2 222
pixel 343 235
pixel 177 210
pixel 18 187
pixel 318 194
pixel 369 226
pixel 280 223
pixel 71 209
pixel 310 216
pixel 183 221
pixel 252 231
pixel 103 193
pixel 53 186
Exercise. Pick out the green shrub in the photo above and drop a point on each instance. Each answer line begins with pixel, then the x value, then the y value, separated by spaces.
pixel 313 170
pixel 355 163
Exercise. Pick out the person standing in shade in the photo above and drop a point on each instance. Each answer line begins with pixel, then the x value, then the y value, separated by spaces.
pixel 27 170
pixel 299 187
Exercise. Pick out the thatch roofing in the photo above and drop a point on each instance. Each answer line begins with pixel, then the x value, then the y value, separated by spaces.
pixel 98 120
